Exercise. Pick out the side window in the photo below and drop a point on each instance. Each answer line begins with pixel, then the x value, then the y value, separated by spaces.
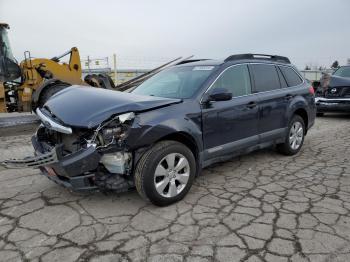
pixel 236 80
pixel 282 79
pixel 265 77
pixel 291 76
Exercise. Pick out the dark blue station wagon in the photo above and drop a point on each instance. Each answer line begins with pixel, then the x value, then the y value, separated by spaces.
pixel 158 136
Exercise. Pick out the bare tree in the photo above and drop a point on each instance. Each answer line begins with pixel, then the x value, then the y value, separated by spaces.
pixel 335 64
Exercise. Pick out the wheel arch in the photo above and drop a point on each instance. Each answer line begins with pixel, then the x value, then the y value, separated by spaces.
pixel 179 136
pixel 303 114
pixel 189 141
pixel 184 138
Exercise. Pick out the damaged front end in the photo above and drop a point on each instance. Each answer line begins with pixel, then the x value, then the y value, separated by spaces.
pixel 82 159
pixel 333 95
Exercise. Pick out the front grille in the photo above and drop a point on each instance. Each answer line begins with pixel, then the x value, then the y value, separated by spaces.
pixel 70 142
pixel 339 92
pixel 346 92
pixel 51 122
pixel 331 94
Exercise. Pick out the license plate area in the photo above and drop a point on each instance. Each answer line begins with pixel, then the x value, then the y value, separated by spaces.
pixel 50 171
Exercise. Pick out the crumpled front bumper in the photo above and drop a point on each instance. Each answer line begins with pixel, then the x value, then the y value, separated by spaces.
pixel 332 104
pixel 34 161
pixel 72 171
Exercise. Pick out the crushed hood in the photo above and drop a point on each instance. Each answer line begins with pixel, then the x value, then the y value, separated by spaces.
pixel 87 107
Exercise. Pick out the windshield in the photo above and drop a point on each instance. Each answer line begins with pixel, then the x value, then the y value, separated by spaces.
pixel 5 49
pixel 176 82
pixel 343 71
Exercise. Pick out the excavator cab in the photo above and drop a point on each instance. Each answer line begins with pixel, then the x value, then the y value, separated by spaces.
pixel 9 68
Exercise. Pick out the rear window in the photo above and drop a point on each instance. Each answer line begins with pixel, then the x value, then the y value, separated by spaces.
pixel 265 77
pixel 292 78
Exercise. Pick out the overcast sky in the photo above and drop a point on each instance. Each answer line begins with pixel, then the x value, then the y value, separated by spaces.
pixel 307 31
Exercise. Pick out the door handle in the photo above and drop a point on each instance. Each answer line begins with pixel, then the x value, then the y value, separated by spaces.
pixel 251 104
pixel 288 97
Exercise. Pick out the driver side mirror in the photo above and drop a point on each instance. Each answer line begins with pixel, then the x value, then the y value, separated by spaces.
pixel 220 94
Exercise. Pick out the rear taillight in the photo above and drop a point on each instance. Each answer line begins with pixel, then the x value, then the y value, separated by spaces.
pixel 311 90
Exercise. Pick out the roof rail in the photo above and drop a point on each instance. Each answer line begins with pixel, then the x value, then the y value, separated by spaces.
pixel 276 58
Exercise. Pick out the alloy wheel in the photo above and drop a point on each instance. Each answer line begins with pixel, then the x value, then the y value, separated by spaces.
pixel 296 135
pixel 171 175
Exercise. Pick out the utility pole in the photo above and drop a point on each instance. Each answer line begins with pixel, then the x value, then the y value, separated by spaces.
pixel 115 69
pixel 89 64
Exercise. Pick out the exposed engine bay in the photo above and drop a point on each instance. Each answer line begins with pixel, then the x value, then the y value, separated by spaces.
pixel 99 154
pixel 91 149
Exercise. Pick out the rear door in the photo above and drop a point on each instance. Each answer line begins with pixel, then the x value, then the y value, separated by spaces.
pixel 231 125
pixel 273 101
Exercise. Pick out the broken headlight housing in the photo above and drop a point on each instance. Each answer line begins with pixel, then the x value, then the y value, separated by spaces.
pixel 113 131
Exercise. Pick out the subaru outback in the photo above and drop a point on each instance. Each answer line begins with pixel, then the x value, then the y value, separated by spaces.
pixel 160 135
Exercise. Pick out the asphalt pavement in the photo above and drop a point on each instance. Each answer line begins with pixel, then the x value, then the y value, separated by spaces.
pixel 259 207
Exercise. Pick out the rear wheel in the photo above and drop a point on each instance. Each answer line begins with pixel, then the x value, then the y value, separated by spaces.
pixel 165 173
pixel 49 91
pixel 100 80
pixel 294 137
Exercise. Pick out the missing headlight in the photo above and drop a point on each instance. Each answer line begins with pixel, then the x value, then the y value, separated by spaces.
pixel 109 133
pixel 126 117
pixel 114 130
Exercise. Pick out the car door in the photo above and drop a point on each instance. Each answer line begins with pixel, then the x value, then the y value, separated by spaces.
pixel 230 125
pixel 272 102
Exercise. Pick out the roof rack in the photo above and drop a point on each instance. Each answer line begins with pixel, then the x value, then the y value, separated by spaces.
pixel 275 58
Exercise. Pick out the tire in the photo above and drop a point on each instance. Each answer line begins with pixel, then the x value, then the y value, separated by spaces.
pixel 288 147
pixel 157 158
pixel 49 91
pixel 319 114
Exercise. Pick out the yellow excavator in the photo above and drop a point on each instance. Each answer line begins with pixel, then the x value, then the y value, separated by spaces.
pixel 29 84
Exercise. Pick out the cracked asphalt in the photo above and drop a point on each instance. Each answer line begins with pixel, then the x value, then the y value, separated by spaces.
pixel 258 207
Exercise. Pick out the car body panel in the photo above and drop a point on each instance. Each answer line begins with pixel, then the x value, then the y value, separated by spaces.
pixel 151 126
pixel 227 123
pixel 272 110
pixel 92 106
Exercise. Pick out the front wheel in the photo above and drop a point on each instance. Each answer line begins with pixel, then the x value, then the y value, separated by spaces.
pixel 294 137
pixel 49 91
pixel 165 173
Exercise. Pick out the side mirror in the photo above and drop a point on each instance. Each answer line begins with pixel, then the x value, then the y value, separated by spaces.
pixel 220 94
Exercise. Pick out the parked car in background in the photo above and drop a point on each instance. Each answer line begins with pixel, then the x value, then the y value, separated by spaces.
pixel 160 136
pixel 333 95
